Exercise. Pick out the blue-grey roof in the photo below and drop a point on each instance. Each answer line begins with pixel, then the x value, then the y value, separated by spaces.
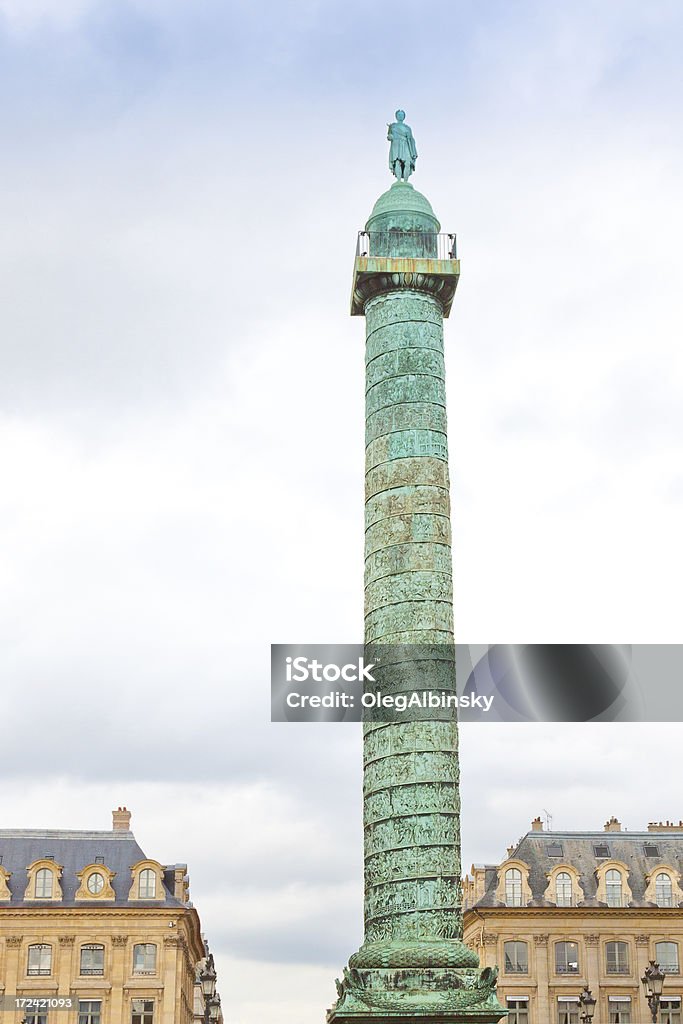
pixel 578 850
pixel 73 851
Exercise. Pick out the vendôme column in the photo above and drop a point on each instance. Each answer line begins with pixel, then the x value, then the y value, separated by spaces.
pixel 413 962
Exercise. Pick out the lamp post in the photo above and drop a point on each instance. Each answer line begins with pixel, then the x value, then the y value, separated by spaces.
pixel 653 982
pixel 215 1009
pixel 587 1004
pixel 207 979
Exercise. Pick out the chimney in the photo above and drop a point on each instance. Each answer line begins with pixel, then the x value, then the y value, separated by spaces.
pixel 665 826
pixel 121 820
pixel 613 825
pixel 537 825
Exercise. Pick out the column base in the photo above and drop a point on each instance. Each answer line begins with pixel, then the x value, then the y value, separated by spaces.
pixel 433 993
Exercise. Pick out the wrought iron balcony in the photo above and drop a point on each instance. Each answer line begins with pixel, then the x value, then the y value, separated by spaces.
pixel 399 244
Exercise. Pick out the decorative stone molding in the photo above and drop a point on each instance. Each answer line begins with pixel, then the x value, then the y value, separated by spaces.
pixel 489 939
pixel 577 894
pixel 650 893
pixel 510 865
pixel 601 874
pixel 91 871
pixel 642 940
pixel 5 875
pixel 591 940
pixel 67 940
pixel 119 940
pixel 14 940
pixel 541 940
pixel 136 874
pixel 32 871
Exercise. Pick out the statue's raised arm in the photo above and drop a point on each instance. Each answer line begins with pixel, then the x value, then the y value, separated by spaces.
pixel 403 151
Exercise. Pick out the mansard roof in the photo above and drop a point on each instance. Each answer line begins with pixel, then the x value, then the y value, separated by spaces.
pixel 119 851
pixel 586 851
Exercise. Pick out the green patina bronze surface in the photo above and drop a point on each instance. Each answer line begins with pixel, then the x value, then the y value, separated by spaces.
pixel 413 962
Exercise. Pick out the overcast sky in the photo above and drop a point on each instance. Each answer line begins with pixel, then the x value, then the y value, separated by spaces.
pixel 181 418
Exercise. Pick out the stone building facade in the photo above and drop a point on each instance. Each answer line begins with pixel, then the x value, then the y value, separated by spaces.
pixel 566 909
pixel 92 931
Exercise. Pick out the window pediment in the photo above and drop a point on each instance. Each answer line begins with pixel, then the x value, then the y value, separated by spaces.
pixel 95 883
pixel 43 880
pixel 651 893
pixel 607 886
pixel 556 889
pixel 513 889
pixel 148 881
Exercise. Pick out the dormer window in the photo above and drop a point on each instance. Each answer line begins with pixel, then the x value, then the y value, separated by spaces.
pixel 664 890
pixel 148 884
pixel 614 887
pixel 147 881
pixel 513 887
pixel 45 881
pixel 95 883
pixel 563 889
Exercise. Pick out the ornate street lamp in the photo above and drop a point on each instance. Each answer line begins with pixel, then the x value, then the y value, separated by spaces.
pixel 207 980
pixel 215 1009
pixel 653 982
pixel 587 1004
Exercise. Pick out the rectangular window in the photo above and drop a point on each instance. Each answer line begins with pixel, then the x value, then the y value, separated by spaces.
pixel 567 1010
pixel 35 1018
pixel 145 958
pixel 555 850
pixel 89 1011
pixel 601 851
pixel 617 958
pixel 666 954
pixel 142 1011
pixel 619 1010
pixel 670 1010
pixel 518 1010
pixel 92 960
pixel 516 958
pixel 39 961
pixel 651 850
pixel 566 958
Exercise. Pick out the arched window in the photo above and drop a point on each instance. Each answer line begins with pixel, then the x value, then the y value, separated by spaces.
pixel 516 958
pixel 617 958
pixel 144 958
pixel 664 895
pixel 563 889
pixel 148 884
pixel 566 958
pixel 39 960
pixel 666 955
pixel 513 887
pixel 44 884
pixel 614 886
pixel 92 959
